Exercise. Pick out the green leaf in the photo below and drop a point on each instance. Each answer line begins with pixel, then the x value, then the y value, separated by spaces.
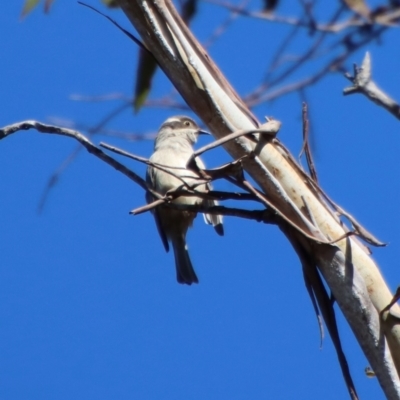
pixel 28 7
pixel 147 66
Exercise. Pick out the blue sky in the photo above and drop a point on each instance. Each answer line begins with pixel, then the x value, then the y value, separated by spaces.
pixel 89 305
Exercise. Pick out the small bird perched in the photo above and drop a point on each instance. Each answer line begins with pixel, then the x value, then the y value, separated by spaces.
pixel 173 148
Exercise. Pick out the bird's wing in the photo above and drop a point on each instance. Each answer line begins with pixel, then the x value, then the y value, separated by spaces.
pixel 160 229
pixel 154 211
pixel 211 219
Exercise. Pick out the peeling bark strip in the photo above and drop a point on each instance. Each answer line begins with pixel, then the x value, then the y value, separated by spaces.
pixel 351 274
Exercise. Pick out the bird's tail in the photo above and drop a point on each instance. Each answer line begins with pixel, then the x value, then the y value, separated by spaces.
pixel 184 268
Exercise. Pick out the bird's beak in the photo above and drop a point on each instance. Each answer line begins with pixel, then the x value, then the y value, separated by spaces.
pixel 201 132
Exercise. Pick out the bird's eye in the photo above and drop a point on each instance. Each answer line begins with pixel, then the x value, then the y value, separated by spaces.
pixel 187 123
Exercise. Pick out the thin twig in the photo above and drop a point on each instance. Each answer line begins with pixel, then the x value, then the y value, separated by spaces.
pixel 90 147
pixel 53 180
pixel 274 18
pixel 306 144
pixel 210 195
pixel 261 96
pixel 224 25
pixel 165 168
pixel 270 129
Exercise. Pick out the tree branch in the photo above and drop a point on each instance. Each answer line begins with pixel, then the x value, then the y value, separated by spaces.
pixel 352 275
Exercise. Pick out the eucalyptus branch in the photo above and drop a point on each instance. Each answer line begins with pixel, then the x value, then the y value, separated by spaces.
pixel 293 201
pixel 281 181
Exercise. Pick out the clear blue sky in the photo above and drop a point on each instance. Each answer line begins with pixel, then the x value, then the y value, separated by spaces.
pixel 89 305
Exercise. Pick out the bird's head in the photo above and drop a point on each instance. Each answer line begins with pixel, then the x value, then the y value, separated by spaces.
pixel 180 126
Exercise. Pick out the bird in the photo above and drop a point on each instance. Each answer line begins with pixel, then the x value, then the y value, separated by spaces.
pixel 173 147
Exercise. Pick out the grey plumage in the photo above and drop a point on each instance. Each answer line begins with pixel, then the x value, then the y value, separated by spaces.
pixel 173 148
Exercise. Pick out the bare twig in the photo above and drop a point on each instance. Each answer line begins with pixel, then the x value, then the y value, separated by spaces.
pixel 350 42
pixel 303 59
pixel 363 83
pixel 306 144
pixel 55 176
pixel 164 102
pixel 396 297
pixel 270 130
pixel 165 168
pixel 265 216
pixel 212 195
pixel 274 18
pixel 100 98
pixel 224 26
pixel 389 18
pixel 90 147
